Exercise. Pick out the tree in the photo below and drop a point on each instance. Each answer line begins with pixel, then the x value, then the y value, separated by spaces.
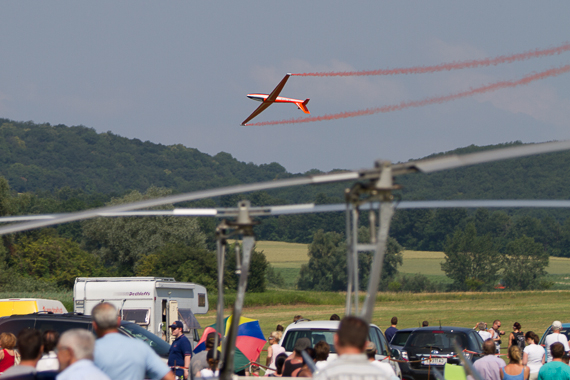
pixel 258 264
pixel 327 267
pixel 54 259
pixel 125 241
pixel 524 264
pixel 471 261
pixel 184 263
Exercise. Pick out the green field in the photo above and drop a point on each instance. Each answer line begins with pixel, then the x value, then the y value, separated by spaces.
pixel 287 259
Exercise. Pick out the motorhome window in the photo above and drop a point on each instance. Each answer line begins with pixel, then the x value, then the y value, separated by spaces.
pixel 138 316
pixel 201 300
pixel 188 319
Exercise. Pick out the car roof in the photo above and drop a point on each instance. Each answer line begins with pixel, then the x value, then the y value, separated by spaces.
pixel 444 328
pixel 409 329
pixel 325 324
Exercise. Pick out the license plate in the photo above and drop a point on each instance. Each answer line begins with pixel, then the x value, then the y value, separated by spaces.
pixel 434 361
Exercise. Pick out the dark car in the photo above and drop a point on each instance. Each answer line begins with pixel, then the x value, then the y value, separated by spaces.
pixel 400 338
pixel 64 322
pixel 431 347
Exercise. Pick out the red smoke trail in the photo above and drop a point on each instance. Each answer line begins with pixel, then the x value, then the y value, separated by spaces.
pixel 424 102
pixel 446 66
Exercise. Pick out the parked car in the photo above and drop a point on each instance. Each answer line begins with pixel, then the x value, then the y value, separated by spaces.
pixel 565 331
pixel 400 338
pixel 68 321
pixel 432 347
pixel 318 331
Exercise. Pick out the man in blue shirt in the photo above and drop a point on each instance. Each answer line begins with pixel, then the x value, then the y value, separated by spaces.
pixel 391 331
pixel 180 351
pixel 556 369
pixel 121 357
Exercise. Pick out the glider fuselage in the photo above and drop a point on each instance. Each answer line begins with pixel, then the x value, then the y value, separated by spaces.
pixel 280 99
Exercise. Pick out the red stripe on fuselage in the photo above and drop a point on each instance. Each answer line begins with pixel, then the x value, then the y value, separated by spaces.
pixel 280 99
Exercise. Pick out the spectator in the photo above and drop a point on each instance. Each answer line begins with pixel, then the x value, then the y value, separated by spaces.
pixel 279 362
pixel 180 351
pixel 555 337
pixel 489 366
pixel 279 328
pixel 322 350
pixel 49 361
pixel 391 331
pixel 31 349
pixel 295 360
pixel 566 359
pixel 371 351
pixel 497 335
pixel 297 318
pixel 352 363
pixel 213 362
pixel 7 355
pixel 533 355
pixel 517 336
pixel 335 317
pixel 200 360
pixel 483 333
pixel 120 357
pixel 305 371
pixel 514 370
pixel 425 324
pixel 75 356
pixel 556 369
pixel 273 351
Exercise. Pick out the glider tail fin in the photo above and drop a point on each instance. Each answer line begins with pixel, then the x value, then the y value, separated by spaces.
pixel 303 106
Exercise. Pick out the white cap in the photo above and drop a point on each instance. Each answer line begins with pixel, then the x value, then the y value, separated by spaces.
pixel 556 325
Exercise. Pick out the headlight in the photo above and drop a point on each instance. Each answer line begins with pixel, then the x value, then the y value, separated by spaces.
pixel 404 355
pixel 468 355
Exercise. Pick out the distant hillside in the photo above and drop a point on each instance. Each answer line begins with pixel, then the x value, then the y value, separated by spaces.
pixel 41 157
pixel 44 157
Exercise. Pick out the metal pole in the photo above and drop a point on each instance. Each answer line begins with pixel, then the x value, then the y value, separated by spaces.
pixel 228 366
pixel 349 252
pixel 221 253
pixel 386 213
pixel 355 254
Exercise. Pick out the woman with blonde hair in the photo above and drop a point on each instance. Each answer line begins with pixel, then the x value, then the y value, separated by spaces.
pixel 515 370
pixel 273 351
pixel 7 355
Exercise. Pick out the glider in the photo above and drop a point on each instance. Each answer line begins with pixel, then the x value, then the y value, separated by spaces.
pixel 274 97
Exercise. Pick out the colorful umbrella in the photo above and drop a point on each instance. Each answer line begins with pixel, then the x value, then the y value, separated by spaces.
pixel 249 342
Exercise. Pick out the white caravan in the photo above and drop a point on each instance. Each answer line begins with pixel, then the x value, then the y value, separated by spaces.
pixel 151 302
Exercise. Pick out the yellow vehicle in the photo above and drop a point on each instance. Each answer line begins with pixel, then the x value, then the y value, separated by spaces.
pixel 11 306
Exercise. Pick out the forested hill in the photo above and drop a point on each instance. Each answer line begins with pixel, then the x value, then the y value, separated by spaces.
pixel 41 157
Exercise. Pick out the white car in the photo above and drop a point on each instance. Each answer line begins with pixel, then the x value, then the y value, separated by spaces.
pixel 317 331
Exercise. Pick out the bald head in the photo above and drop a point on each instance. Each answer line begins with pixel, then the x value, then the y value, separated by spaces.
pixel 105 317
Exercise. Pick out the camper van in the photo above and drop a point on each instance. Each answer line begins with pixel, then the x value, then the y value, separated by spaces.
pixel 151 302
pixel 13 306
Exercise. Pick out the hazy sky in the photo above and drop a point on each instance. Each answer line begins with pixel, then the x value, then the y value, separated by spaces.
pixel 178 72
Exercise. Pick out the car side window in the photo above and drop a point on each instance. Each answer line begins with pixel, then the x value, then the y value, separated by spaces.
pixel 61 326
pixel 16 325
pixel 384 343
pixel 374 337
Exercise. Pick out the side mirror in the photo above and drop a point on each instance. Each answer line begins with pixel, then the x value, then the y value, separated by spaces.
pixel 395 353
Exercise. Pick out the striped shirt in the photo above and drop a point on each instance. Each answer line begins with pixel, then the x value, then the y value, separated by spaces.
pixel 352 367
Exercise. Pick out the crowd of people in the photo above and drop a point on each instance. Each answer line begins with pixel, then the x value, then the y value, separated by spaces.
pixel 77 354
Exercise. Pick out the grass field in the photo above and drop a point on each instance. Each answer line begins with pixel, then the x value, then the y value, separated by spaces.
pixel 287 259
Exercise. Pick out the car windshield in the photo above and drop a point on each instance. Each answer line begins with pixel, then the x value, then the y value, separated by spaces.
pixel 400 338
pixel 439 339
pixel 157 344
